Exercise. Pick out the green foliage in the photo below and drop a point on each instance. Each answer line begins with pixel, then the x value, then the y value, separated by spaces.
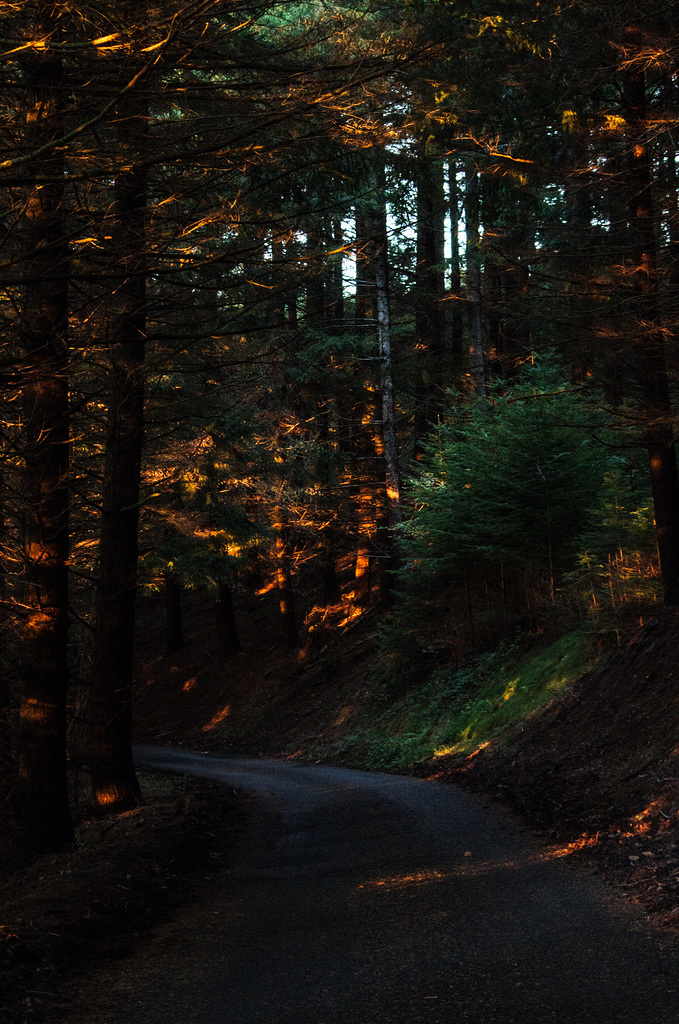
pixel 206 526
pixel 458 709
pixel 501 500
pixel 523 505
pixel 617 562
pixel 507 482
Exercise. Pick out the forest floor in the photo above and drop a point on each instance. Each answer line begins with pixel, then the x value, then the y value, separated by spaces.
pixel 595 773
pixel 124 874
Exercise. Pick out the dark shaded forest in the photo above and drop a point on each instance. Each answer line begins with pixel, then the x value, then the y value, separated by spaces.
pixel 373 303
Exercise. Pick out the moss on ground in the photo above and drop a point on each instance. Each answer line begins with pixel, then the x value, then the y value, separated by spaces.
pixel 456 709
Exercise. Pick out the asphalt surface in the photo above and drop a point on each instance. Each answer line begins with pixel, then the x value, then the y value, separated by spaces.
pixel 360 898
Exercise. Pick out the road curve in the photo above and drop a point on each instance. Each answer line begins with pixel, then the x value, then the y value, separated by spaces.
pixel 360 898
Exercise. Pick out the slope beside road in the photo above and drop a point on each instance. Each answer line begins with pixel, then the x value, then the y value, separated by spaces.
pixel 362 898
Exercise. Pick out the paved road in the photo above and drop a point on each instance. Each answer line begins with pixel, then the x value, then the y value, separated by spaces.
pixel 359 898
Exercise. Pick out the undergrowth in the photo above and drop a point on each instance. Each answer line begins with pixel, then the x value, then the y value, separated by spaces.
pixel 456 709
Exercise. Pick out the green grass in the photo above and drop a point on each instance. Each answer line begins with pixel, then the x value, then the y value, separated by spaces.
pixel 457 710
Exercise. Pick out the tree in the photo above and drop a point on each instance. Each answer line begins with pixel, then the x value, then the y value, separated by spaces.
pixel 502 497
pixel 641 62
pixel 42 789
pixel 651 363
pixel 114 780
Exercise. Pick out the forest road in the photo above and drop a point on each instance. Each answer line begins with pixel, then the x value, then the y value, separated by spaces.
pixel 364 898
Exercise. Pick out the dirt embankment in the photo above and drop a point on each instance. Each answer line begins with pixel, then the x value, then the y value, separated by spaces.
pixel 598 770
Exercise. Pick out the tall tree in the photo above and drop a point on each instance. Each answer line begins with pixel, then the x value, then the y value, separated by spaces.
pixel 42 788
pixel 472 219
pixel 114 780
pixel 650 356
pixel 431 344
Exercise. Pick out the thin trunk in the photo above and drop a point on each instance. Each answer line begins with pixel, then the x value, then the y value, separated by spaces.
pixel 470 611
pixel 322 299
pixel 456 317
pixel 550 551
pixel 671 196
pixel 331 592
pixel 174 630
pixel 472 207
pixel 114 781
pixel 391 471
pixel 374 305
pixel 514 340
pixel 285 596
pixel 42 793
pixel 330 589
pixel 288 254
pixel 430 346
pixel 225 618
pixel 366 450
pixel 335 283
pixel 492 291
pixel 650 357
pixel 578 263
pixel 315 282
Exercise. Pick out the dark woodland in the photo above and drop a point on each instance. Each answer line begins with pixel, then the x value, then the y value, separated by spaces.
pixel 371 306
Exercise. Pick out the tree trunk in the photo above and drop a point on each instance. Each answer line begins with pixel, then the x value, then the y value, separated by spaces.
pixel 315 281
pixel 335 282
pixel 456 316
pixel 430 342
pixel 392 477
pixel 42 793
pixel 285 596
pixel 331 592
pixel 515 343
pixel 472 213
pixel 650 357
pixel 225 618
pixel 366 447
pixel 114 780
pixel 579 266
pixel 174 631
pixel 382 500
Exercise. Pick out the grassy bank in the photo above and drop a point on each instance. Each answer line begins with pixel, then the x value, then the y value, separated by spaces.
pixel 455 710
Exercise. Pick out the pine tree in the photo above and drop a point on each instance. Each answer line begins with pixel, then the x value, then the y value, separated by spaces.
pixel 42 790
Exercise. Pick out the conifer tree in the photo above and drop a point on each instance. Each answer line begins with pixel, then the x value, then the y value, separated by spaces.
pixel 42 791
